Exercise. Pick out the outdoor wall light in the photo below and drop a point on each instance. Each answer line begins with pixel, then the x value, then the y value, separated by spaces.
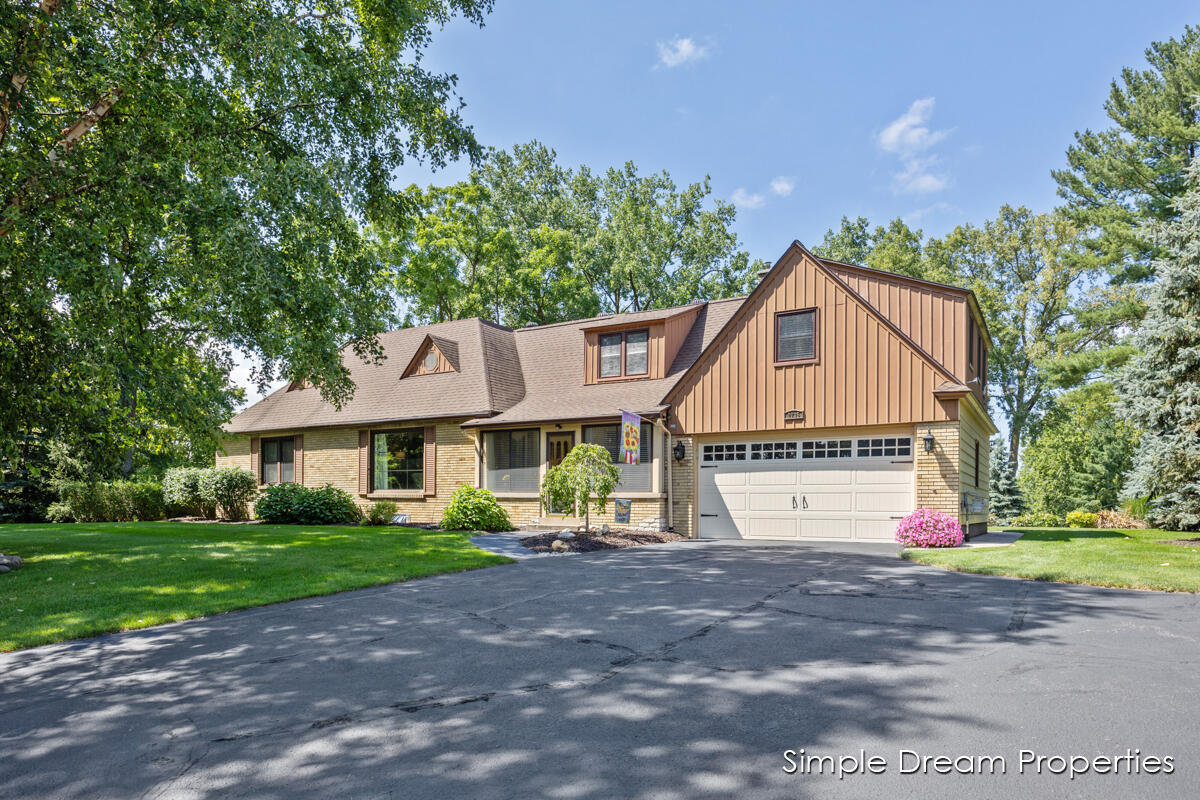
pixel 678 451
pixel 928 439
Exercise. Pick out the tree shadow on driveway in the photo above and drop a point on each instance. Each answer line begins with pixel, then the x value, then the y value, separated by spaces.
pixel 655 672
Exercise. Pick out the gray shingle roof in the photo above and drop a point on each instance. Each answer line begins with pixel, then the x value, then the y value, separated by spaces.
pixel 503 377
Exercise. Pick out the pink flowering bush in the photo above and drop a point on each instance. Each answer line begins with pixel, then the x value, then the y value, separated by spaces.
pixel 928 528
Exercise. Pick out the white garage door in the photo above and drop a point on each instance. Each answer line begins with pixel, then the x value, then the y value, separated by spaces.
pixel 854 489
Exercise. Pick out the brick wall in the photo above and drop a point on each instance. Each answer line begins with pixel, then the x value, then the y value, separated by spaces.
pixel 528 511
pixel 937 473
pixel 331 456
pixel 683 487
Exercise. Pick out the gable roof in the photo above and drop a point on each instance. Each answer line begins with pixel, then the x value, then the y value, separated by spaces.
pixel 483 384
pixel 552 361
pixel 447 347
pixel 765 286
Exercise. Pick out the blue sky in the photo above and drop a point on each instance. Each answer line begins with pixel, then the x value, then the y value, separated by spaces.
pixel 801 112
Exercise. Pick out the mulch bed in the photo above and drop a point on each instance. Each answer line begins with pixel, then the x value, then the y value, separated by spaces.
pixel 590 542
pixel 1185 542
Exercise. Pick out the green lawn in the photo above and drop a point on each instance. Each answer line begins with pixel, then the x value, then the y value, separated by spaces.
pixel 85 579
pixel 1125 559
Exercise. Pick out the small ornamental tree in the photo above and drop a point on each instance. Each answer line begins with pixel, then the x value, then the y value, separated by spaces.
pixel 926 527
pixel 586 471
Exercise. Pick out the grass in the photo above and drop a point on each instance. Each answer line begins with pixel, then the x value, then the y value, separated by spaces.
pixel 1120 558
pixel 87 579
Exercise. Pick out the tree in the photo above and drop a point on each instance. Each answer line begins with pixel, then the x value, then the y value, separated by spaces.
pixel 527 240
pixel 1121 180
pixel 586 471
pixel 895 248
pixel 1083 454
pixel 1004 493
pixel 1160 387
pixel 181 178
pixel 1022 269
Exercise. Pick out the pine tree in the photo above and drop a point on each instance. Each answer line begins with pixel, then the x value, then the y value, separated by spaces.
pixel 1160 387
pixel 1004 495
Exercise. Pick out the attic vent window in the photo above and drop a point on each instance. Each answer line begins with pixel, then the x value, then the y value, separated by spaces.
pixel 431 361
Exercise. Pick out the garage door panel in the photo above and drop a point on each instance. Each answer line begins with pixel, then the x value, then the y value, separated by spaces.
pixel 827 528
pixel 770 501
pixel 886 474
pixel 828 501
pixel 772 527
pixel 810 476
pixel 881 502
pixel 772 477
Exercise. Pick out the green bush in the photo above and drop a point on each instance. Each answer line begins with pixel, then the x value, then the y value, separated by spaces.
pixel 181 493
pixel 1037 519
pixel 1137 506
pixel 277 503
pixel 118 501
pixel 472 509
pixel 229 489
pixel 381 513
pixel 1081 518
pixel 293 504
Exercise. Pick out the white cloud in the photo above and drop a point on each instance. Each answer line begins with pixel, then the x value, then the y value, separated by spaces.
pixel 743 199
pixel 680 50
pixel 908 137
pixel 783 185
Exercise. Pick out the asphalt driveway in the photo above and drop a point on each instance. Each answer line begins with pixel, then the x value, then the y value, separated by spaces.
pixel 677 671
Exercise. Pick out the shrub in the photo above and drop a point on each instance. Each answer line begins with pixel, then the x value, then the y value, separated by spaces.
pixel 229 490
pixel 381 513
pixel 181 493
pixel 1119 518
pixel 1137 507
pixel 291 503
pixel 926 527
pixel 118 501
pixel 277 503
pixel 1081 518
pixel 1037 519
pixel 472 509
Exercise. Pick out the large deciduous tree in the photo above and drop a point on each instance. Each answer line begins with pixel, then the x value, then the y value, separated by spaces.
pixel 528 240
pixel 179 178
pixel 1160 386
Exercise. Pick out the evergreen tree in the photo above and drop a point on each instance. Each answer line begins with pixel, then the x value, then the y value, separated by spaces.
pixel 1160 387
pixel 1005 496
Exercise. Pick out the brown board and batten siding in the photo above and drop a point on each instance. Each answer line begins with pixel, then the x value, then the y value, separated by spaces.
pixel 665 338
pixel 865 373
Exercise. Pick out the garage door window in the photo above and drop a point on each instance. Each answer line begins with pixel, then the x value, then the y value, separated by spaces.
pixel 826 448
pixel 713 453
pixel 890 446
pixel 773 451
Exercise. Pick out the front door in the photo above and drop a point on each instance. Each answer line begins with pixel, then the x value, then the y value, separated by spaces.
pixel 557 446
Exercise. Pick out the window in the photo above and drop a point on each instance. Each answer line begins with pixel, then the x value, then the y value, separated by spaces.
pixel 398 460
pixel 431 361
pixel 773 451
pixel 278 460
pixel 624 354
pixel 634 477
pixel 513 461
pixel 828 448
pixel 976 463
pixel 713 453
pixel 889 446
pixel 795 336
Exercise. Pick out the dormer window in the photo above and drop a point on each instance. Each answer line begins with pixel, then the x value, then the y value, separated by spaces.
pixel 431 360
pixel 624 354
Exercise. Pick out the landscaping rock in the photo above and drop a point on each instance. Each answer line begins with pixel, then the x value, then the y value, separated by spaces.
pixel 604 529
pixel 566 535
pixel 559 546
pixel 10 562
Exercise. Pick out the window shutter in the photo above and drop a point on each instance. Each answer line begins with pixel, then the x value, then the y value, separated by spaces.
pixel 364 463
pixel 298 458
pixel 430 479
pixel 255 461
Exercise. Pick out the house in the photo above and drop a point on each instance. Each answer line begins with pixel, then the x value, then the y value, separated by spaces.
pixel 826 404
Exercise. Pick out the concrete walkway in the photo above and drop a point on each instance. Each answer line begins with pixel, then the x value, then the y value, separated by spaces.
pixel 508 543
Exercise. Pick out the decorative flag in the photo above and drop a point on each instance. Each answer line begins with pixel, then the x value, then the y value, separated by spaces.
pixel 631 437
